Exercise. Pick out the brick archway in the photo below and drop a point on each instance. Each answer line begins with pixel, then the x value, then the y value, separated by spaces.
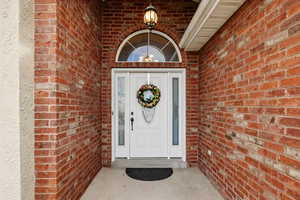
pixel 130 39
pixel 164 29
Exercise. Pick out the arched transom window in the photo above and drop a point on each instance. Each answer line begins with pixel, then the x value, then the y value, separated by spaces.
pixel 161 48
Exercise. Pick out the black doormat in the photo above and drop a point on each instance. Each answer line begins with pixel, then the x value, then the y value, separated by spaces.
pixel 149 174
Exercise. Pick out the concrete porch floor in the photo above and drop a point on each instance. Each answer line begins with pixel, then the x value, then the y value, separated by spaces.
pixel 184 184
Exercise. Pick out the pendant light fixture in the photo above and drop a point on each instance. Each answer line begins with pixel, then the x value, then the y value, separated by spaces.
pixel 150 17
pixel 150 20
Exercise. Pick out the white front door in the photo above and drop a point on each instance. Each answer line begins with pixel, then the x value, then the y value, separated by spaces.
pixel 136 137
pixel 148 139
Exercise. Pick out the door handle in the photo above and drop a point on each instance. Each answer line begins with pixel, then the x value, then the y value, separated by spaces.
pixel 131 122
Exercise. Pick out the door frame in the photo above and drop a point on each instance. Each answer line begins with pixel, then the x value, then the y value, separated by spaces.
pixel 114 73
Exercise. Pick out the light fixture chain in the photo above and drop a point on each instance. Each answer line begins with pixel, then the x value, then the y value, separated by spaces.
pixel 148 43
pixel 150 20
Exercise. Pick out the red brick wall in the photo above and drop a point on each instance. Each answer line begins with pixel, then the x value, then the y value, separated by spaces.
pixel 45 98
pixel 250 98
pixel 67 97
pixel 120 19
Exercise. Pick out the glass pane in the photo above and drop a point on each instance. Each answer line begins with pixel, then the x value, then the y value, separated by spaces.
pixel 126 51
pixel 139 40
pixel 121 110
pixel 169 52
pixel 140 53
pixel 160 49
pixel 175 117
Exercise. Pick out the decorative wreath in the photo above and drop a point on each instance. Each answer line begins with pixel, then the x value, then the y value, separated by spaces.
pixel 148 95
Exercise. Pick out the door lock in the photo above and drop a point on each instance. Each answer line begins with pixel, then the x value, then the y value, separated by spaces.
pixel 131 122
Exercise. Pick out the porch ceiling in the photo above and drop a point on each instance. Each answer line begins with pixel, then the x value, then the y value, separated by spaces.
pixel 209 17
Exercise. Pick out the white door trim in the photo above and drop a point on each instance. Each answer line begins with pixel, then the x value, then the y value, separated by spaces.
pixel 181 71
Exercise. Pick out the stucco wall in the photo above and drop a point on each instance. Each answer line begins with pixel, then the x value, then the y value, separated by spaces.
pixel 26 67
pixel 16 108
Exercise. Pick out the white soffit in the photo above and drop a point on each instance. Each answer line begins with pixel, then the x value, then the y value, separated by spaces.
pixel 209 17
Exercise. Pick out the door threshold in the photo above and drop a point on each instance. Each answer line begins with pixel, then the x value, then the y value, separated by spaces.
pixel 149 163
